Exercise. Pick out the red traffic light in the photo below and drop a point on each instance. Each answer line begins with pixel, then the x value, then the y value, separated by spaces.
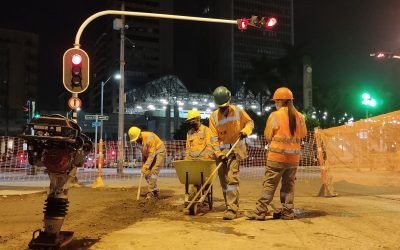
pixel 261 22
pixel 76 59
pixel 380 55
pixel 271 23
pixel 76 70
pixel 242 23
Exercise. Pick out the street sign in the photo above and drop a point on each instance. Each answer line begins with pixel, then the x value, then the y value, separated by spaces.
pixel 74 103
pixel 102 117
pixel 90 117
pixel 96 124
pixel 99 117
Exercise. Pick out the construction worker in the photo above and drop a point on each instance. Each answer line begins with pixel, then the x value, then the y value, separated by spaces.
pixel 229 123
pixel 200 144
pixel 284 130
pixel 153 155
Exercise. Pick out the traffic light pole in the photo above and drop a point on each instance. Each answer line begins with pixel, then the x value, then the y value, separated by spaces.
pixel 123 13
pixel 121 102
pixel 145 14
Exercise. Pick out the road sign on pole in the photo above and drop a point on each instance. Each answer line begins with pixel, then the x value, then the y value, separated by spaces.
pixel 96 124
pixel 97 117
pixel 102 117
pixel 74 103
pixel 90 117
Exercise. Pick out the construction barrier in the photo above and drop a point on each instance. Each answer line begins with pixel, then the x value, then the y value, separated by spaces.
pixel 364 153
pixel 15 168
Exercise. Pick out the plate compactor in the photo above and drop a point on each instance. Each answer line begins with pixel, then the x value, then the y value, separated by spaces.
pixel 58 144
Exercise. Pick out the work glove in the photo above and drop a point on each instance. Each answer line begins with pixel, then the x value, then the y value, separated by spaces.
pixel 242 135
pixel 145 169
pixel 223 158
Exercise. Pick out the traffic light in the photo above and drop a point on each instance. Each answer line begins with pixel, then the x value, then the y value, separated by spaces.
pixel 380 55
pixel 242 23
pixel 76 70
pixel 263 22
pixel 27 110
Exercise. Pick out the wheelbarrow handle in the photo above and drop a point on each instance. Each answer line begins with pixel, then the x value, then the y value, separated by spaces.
pixel 210 177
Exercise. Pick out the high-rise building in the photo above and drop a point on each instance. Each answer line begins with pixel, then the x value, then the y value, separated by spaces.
pixel 148 52
pixel 18 77
pixel 221 54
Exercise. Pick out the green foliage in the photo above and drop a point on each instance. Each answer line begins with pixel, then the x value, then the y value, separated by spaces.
pixel 311 123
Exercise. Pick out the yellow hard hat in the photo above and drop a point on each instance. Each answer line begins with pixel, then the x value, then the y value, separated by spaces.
pixel 193 114
pixel 134 133
pixel 283 94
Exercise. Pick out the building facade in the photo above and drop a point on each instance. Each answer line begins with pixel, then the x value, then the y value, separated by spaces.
pixel 18 77
pixel 148 52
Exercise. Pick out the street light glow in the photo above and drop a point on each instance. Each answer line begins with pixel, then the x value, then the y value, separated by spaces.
pixel 365 96
pixel 117 76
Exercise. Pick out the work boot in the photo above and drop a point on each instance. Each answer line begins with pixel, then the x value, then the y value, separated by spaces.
pixel 229 215
pixel 254 215
pixel 284 214
pixel 152 195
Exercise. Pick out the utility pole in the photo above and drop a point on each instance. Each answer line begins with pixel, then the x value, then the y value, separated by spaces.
pixel 121 106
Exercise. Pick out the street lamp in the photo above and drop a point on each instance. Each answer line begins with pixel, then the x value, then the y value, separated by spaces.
pixel 116 76
pixel 368 101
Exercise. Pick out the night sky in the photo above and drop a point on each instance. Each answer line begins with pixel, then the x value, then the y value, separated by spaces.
pixel 338 34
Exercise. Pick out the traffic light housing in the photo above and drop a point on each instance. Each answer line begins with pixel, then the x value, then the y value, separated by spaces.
pixel 380 55
pixel 242 23
pixel 263 22
pixel 76 70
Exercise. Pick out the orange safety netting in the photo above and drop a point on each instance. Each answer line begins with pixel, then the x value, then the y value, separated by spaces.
pixel 14 165
pixel 365 152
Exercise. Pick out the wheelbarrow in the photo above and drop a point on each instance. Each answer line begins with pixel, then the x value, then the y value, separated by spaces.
pixel 196 172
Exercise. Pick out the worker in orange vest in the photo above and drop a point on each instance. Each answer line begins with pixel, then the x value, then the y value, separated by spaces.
pixel 284 130
pixel 200 144
pixel 153 155
pixel 230 123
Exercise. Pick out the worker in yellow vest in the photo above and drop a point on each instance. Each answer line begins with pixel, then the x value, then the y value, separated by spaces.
pixel 153 156
pixel 200 144
pixel 230 123
pixel 284 130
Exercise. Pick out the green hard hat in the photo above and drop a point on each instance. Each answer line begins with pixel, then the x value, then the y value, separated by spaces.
pixel 222 96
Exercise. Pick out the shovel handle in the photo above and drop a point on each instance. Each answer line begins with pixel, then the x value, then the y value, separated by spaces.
pixel 210 177
pixel 140 185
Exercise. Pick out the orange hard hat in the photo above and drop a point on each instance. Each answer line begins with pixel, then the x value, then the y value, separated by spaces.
pixel 283 94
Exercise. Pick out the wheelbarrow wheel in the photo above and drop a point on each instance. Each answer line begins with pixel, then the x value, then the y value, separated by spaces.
pixel 193 209
pixel 210 199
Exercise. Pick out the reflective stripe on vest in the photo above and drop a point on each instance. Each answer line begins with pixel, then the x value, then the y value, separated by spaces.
pixel 285 151
pixel 274 121
pixel 228 119
pixel 279 139
pixel 214 138
pixel 160 150
pixel 228 146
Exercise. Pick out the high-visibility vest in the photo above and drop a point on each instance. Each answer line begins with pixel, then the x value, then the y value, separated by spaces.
pixel 151 146
pixel 200 144
pixel 227 128
pixel 283 147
